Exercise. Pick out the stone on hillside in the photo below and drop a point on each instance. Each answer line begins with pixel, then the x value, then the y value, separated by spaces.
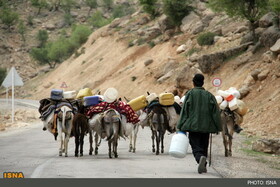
pixel 152 33
pixel 276 47
pixel 115 23
pixel 198 28
pixel 255 74
pixel 244 91
pixel 271 146
pixel 263 75
pixel 50 26
pixel 241 29
pixel 170 65
pixel 266 20
pixel 270 36
pixel 184 78
pixel 148 62
pixel 181 49
pixel 143 20
pixel 189 21
pixel 267 57
pixel 165 77
pixel 164 23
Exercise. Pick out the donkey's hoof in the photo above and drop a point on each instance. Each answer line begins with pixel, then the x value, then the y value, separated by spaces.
pixel 76 155
pixel 116 156
pixel 154 150
pixel 157 153
pixel 66 155
pixel 81 154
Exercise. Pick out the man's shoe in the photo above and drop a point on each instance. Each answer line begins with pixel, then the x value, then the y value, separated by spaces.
pixel 202 165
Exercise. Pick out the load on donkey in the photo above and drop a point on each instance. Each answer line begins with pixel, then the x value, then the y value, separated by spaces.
pixel 57 115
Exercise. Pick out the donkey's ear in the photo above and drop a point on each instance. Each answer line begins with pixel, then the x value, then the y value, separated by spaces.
pixel 127 100
pixel 148 93
pixel 120 99
pixel 99 93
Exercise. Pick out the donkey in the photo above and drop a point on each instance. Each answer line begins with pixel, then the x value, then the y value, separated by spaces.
pixel 157 119
pixel 107 124
pixel 64 125
pixel 228 131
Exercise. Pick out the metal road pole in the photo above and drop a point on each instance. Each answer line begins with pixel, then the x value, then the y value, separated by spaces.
pixel 7 96
pixel 13 97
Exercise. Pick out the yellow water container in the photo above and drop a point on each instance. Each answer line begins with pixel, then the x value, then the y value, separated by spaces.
pixel 138 103
pixel 242 108
pixel 83 93
pixel 166 99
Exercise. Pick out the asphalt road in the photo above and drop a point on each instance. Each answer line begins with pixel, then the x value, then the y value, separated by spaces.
pixel 35 153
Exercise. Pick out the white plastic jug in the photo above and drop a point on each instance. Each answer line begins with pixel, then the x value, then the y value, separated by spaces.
pixel 179 145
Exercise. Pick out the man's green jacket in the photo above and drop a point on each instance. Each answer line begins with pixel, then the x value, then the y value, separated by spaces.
pixel 200 112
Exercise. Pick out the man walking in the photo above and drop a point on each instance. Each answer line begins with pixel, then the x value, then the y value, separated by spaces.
pixel 200 116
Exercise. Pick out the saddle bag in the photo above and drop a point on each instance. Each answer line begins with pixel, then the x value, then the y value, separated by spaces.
pixel 56 95
pixel 91 100
pixel 138 103
pixel 69 94
pixel 166 99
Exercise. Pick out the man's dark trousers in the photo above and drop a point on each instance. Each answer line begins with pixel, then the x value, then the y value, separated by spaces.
pixel 199 142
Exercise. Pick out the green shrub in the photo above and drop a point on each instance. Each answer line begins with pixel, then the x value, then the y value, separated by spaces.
pixel 80 34
pixel 22 30
pixel 176 10
pixel 3 73
pixel 40 55
pixel 8 17
pixel 149 6
pixel 68 19
pixel 133 78
pixel 42 36
pixel 122 10
pixel 97 20
pixel 152 44
pixel 30 20
pixel 206 38
pixel 192 51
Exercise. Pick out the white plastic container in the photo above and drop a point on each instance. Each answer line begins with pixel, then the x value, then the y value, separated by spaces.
pixel 151 97
pixel 179 145
pixel 223 105
pixel 110 95
pixel 177 99
pixel 69 94
pixel 224 94
pixel 233 104
pixel 219 99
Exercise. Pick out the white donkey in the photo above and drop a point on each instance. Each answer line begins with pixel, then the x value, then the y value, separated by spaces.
pixel 64 126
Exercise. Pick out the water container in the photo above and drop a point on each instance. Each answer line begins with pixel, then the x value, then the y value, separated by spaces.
pixel 179 145
pixel 69 94
pixel 219 99
pixel 233 104
pixel 110 95
pixel 166 99
pixel 223 105
pixel 222 93
pixel 151 97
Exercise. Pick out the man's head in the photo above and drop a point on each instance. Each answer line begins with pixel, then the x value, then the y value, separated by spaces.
pixel 198 80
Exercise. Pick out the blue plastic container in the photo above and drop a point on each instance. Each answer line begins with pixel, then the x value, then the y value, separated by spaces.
pixel 91 100
pixel 56 94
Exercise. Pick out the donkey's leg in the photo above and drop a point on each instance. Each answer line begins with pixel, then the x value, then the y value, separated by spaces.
pixel 115 147
pixel 76 145
pixel 230 145
pixel 66 141
pixel 153 141
pixel 225 144
pixel 61 142
pixel 96 144
pixel 110 149
pixel 157 142
pixel 161 140
pixel 90 142
pixel 135 131
pixel 130 143
pixel 82 143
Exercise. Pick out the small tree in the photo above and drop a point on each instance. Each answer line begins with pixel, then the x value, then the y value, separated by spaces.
pixel 8 17
pixel 22 30
pixel 67 5
pixel 250 10
pixel 3 73
pixel 39 4
pixel 41 56
pixel 275 7
pixel 176 10
pixel 149 6
pixel 42 36
pixel 108 4
pixel 92 4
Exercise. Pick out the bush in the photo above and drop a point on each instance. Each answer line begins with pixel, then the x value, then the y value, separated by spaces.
pixel 3 73
pixel 97 20
pixel 149 6
pixel 22 30
pixel 42 36
pixel 40 55
pixel 206 38
pixel 30 20
pixel 80 34
pixel 68 19
pixel 122 10
pixel 8 17
pixel 176 10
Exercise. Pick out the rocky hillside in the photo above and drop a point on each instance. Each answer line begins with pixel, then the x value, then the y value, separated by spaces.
pixel 136 54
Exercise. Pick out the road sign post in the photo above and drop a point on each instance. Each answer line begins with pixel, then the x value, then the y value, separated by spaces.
pixel 12 80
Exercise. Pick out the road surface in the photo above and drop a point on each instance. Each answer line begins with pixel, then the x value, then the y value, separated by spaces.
pixel 35 153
